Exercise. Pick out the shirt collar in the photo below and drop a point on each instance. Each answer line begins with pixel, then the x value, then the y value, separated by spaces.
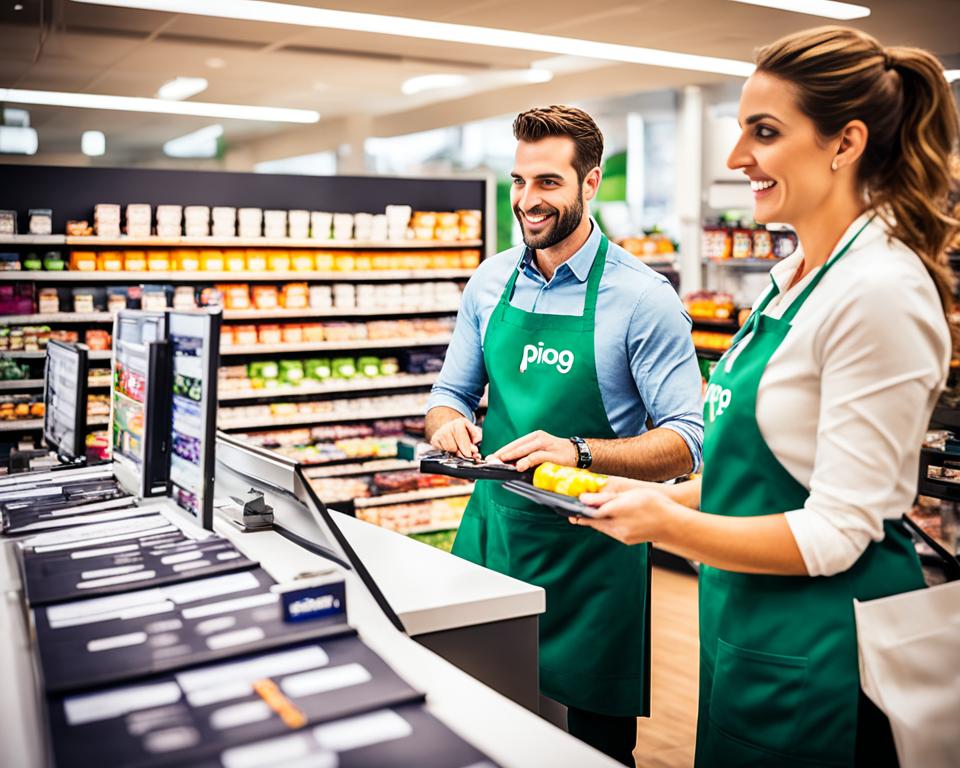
pixel 579 264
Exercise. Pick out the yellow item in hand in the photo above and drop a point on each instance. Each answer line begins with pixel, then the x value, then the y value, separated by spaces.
pixel 569 481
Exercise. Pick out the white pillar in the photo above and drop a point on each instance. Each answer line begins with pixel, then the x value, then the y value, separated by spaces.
pixel 689 189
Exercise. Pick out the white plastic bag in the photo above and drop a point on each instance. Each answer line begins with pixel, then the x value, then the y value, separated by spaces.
pixel 910 668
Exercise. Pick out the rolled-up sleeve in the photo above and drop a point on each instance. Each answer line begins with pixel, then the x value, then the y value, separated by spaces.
pixel 463 377
pixel 664 365
pixel 883 361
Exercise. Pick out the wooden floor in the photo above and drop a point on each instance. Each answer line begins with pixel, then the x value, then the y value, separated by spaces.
pixel 666 740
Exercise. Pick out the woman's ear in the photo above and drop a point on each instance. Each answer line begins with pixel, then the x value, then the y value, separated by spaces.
pixel 852 145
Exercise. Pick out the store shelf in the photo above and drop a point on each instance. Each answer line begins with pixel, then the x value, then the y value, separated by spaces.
pixel 57 317
pixel 423 494
pixel 269 314
pixel 749 264
pixel 309 419
pixel 32 240
pixel 26 425
pixel 332 346
pixel 19 384
pixel 716 323
pixel 362 468
pixel 264 242
pixel 359 384
pixel 428 529
pixel 76 276
pixel 94 354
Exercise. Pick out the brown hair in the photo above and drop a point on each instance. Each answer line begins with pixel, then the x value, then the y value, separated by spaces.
pixel 902 96
pixel 541 122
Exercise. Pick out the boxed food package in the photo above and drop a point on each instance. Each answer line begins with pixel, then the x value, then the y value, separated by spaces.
pixel 269 333
pixel 320 225
pixel 139 220
pixel 79 229
pixel 363 226
pixel 158 261
pixel 154 297
pixel 318 369
pixel 343 226
pixel 186 260
pixel 275 224
pixel 302 261
pixel 106 220
pixel 227 339
pixel 235 261
pixel 116 298
pixel 294 296
pixel 48 300
pixel 343 368
pixel 321 297
pixel 256 260
pixel 211 261
pixel 40 221
pixel 278 261
pixel 235 296
pixel 250 222
pixel 196 221
pixel 324 261
pixel 83 261
pixel 291 372
pixel 135 261
pixel 169 220
pixel 183 297
pixel 245 335
pixel 471 224
pixel 53 261
pixel 111 261
pixel 224 221
pixel 313 332
pixel 291 333
pixel 31 262
pixel 265 297
pixel 8 222
pixel 97 339
pixel 299 224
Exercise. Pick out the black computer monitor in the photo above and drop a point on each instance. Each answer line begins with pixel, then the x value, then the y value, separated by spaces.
pixel 65 400
pixel 140 402
pixel 193 341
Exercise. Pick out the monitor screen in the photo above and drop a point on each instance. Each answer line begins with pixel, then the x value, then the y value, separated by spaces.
pixel 194 345
pixel 135 333
pixel 65 399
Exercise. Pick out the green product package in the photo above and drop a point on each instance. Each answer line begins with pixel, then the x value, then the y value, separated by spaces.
pixel 291 371
pixel 389 366
pixel 369 366
pixel 344 368
pixel 32 262
pixel 53 262
pixel 318 369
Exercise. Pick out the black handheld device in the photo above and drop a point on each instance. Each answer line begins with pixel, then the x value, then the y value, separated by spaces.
pixel 567 506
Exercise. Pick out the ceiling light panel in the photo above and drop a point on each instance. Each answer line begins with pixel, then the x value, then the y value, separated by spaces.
pixel 828 9
pixel 181 88
pixel 298 15
pixel 93 143
pixel 158 106
pixel 199 144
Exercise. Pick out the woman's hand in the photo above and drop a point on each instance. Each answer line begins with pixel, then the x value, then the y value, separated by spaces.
pixel 632 516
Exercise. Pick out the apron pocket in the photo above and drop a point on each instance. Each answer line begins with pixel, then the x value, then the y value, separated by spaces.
pixel 757 698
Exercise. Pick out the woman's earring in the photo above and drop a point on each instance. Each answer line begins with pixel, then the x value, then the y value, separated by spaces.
pixel 833 165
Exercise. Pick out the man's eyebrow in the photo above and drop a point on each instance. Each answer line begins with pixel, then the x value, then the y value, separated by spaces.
pixel 541 176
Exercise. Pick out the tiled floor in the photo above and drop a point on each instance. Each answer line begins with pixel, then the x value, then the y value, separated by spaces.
pixel 666 740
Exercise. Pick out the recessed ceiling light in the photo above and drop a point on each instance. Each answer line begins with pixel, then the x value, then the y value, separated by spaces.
pixel 464 34
pixel 93 143
pixel 215 62
pixel 829 9
pixel 18 7
pixel 202 143
pixel 181 88
pixel 158 106
pixel 18 140
pixel 436 82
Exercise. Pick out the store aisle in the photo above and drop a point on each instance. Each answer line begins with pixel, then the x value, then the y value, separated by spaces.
pixel 666 740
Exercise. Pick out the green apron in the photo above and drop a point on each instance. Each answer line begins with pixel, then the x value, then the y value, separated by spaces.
pixel 779 676
pixel 594 636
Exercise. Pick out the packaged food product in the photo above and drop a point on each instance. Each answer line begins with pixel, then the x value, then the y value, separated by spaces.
pixel 569 481
pixel 469 259
pixel 154 297
pixel 53 261
pixel 227 339
pixel 210 297
pixel 343 368
pixel 8 222
pixel 97 339
pixel 265 297
pixel 158 261
pixel 318 369
pixel 78 229
pixel 294 296
pixel 48 300
pixel 211 261
pixel 83 261
pixel 716 243
pixel 116 298
pixel 269 333
pixel 40 221
pixel 111 261
pixel 742 244
pixel 291 371
pixel 320 225
pixel 291 333
pixel 245 335
pixel 324 261
pixel 344 262
pixel 32 262
pixel 187 260
pixel 762 244
pixel 343 226
pixel 256 261
pixel 389 366
pixel 313 332
pixel 235 296
pixel 302 261
pixel 784 243
pixel 135 261
pixel 235 260
pixel 369 366
pixel 363 262
pixel 183 297
pixel 278 261
pixel 321 297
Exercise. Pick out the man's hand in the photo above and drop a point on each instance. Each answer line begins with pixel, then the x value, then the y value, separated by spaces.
pixel 534 449
pixel 460 436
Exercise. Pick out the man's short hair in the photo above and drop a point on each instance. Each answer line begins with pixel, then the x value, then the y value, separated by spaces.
pixel 558 120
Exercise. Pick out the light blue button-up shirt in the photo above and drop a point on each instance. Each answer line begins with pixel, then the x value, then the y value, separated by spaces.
pixel 645 359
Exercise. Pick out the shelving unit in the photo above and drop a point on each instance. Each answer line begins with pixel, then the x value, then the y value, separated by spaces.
pixel 67 191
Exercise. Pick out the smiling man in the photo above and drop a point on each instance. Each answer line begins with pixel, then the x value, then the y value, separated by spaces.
pixel 582 346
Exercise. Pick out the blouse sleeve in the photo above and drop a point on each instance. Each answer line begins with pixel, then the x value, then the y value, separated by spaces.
pixel 883 354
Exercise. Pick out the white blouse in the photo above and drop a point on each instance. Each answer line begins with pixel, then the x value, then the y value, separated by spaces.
pixel 846 399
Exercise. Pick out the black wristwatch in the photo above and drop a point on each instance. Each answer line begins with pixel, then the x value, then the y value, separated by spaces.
pixel 584 457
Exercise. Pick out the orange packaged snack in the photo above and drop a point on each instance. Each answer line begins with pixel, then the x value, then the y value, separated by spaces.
pixel 158 261
pixel 380 261
pixel 135 261
pixel 278 261
pixel 345 262
pixel 187 260
pixel 235 260
pixel 227 336
pixel 363 262
pixel 302 261
pixel 323 261
pixel 111 261
pixel 269 333
pixel 245 335
pixel 211 261
pixel 256 261
pixel 295 296
pixel 291 334
pixel 313 332
pixel 83 261
pixel 470 259
pixel 265 297
pixel 235 295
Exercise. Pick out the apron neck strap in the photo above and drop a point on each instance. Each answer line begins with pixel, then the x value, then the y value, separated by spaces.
pixel 593 279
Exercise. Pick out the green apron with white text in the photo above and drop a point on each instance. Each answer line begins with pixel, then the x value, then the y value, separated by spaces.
pixel 594 636
pixel 779 676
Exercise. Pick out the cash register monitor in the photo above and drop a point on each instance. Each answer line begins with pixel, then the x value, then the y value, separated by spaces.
pixel 299 514
pixel 193 341
pixel 65 400
pixel 139 402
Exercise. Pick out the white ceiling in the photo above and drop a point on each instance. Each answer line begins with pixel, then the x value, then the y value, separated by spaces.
pixel 76 47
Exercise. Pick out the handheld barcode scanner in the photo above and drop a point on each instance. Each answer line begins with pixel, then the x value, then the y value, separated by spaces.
pixel 443 463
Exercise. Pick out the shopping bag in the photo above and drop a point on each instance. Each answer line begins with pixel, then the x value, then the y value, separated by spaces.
pixel 910 668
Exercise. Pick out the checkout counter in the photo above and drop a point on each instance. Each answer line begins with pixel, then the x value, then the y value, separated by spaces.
pixel 464 636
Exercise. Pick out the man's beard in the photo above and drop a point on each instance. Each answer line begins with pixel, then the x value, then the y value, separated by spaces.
pixel 565 222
